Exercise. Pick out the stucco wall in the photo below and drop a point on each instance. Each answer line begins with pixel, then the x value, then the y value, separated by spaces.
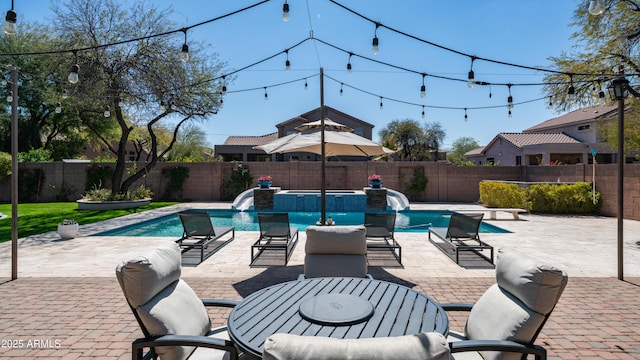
pixel 446 183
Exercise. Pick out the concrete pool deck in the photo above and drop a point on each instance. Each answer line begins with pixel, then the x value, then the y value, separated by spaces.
pixel 67 293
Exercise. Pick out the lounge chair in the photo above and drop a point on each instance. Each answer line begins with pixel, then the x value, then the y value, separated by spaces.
pixel 335 251
pixel 461 235
pixel 429 345
pixel 379 235
pixel 275 234
pixel 199 233
pixel 173 320
pixel 506 320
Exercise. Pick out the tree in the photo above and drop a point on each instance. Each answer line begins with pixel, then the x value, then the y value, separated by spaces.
pixel 602 44
pixel 189 145
pixel 406 135
pixel 631 130
pixel 434 136
pixel 460 147
pixel 132 79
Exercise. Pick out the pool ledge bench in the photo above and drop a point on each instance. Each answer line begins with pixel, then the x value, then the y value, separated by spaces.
pixel 493 212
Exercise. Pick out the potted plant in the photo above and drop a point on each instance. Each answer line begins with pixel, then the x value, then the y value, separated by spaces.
pixel 264 181
pixel 68 229
pixel 375 181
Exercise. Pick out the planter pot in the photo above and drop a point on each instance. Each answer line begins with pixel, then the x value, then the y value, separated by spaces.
pixel 375 184
pixel 264 184
pixel 68 231
pixel 111 205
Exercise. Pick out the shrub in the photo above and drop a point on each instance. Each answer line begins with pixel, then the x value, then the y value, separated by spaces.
pixel 5 164
pixel 102 194
pixel 503 195
pixel 35 155
pixel 177 176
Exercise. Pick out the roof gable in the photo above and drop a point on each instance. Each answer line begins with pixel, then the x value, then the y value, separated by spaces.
pixel 575 117
pixel 251 140
pixel 314 115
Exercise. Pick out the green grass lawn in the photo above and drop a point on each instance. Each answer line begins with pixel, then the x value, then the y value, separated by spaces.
pixel 38 218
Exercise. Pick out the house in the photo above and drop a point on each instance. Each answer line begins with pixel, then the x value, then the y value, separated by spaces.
pixel 240 148
pixel 567 139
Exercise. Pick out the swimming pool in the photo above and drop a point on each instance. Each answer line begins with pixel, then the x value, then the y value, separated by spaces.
pixel 406 221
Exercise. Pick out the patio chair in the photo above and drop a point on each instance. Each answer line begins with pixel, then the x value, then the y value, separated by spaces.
pixel 379 234
pixel 461 235
pixel 199 233
pixel 423 346
pixel 335 251
pixel 276 233
pixel 505 321
pixel 173 320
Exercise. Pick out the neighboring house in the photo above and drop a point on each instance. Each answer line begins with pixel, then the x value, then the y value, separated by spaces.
pixel 567 139
pixel 240 148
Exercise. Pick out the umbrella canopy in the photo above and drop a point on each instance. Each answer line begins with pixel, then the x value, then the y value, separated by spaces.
pixel 328 125
pixel 337 143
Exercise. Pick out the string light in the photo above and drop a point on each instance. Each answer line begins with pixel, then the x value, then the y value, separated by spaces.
pixel 490 90
pixel 374 42
pixel 572 89
pixel 107 111
pixel 381 105
pixel 341 84
pixel 224 86
pixel 601 98
pixel 349 64
pixel 10 21
pixel 465 115
pixel 471 78
pixel 596 7
pixel 184 53
pixel 10 97
pixel 58 109
pixel 287 64
pixel 306 86
pixel 509 100
pixel 266 96
pixel 423 115
pixel 423 88
pixel 73 73
pixel 550 101
pixel 163 106
pixel 285 11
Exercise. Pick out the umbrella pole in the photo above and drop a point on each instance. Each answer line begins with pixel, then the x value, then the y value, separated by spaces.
pixel 323 186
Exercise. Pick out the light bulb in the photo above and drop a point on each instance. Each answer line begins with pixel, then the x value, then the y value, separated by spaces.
pixel 163 107
pixel 285 12
pixel 73 74
pixel 510 114
pixel 224 89
pixel 510 102
pixel 471 83
pixel 596 7
pixel 601 99
pixel 374 46
pixel 107 111
pixel 423 91
pixel 381 106
pixel 184 53
pixel 306 86
pixel 423 115
pixel 10 97
pixel 287 65
pixel 58 108
pixel 65 94
pixel 266 96
pixel 10 22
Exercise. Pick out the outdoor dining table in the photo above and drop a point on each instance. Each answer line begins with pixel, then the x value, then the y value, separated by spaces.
pixel 333 307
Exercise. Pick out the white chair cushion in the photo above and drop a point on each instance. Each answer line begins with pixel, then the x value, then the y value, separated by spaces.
pixel 144 276
pixel 425 346
pixel 336 240
pixel 335 265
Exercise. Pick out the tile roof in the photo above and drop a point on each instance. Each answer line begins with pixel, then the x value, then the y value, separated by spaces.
pixel 577 116
pixel 251 140
pixel 523 139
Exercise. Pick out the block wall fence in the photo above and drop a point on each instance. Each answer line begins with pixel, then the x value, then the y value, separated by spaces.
pixel 446 183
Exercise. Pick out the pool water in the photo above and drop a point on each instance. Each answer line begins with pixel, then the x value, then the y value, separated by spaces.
pixel 406 221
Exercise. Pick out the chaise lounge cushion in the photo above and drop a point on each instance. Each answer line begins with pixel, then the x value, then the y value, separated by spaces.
pixel 424 346
pixel 516 306
pixel 335 251
pixel 165 304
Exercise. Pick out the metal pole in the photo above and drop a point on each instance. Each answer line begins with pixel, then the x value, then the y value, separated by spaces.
pixel 621 160
pixel 323 188
pixel 14 174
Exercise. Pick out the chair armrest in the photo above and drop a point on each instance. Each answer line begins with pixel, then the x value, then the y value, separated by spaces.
pixel 185 340
pixel 539 352
pixel 220 302
pixel 456 307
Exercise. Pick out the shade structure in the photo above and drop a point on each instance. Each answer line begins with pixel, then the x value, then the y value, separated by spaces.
pixel 337 143
pixel 328 125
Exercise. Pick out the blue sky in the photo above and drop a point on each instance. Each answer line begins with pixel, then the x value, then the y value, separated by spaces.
pixel 521 32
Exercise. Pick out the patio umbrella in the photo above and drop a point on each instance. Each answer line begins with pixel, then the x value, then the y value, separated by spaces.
pixel 336 143
pixel 328 125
